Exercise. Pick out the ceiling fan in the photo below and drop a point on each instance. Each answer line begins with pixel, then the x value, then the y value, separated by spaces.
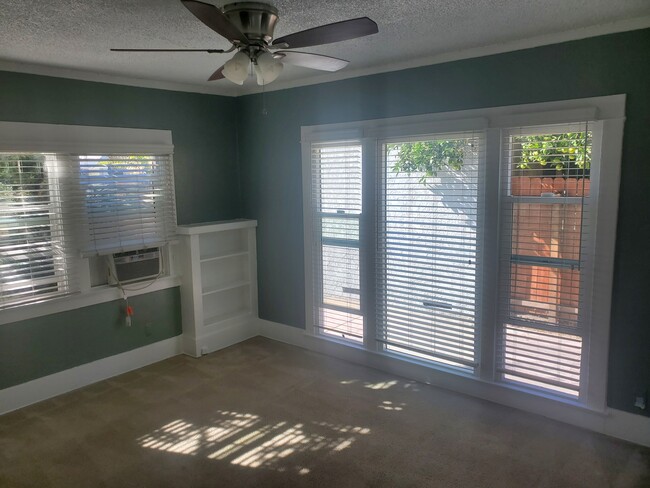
pixel 249 27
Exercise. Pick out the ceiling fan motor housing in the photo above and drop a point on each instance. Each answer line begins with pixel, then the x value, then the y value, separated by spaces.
pixel 249 27
pixel 255 20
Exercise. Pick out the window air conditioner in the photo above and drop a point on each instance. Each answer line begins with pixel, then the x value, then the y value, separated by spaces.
pixel 134 265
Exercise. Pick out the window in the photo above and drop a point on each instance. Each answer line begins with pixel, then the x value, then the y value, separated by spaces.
pixel 128 201
pixel 336 213
pixel 33 260
pixel 467 241
pixel 59 208
pixel 545 212
pixel 427 248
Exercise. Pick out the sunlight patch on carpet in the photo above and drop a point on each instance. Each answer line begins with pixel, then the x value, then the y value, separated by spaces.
pixel 245 439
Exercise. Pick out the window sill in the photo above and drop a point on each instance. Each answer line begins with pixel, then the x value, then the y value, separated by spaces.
pixel 96 295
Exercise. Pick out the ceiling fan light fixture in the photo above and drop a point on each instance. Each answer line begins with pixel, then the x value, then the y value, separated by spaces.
pixel 267 68
pixel 249 27
pixel 236 69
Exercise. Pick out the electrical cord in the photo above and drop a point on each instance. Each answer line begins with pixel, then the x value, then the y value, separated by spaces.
pixel 113 272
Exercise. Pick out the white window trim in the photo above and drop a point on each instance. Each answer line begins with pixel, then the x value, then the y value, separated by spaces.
pixel 27 137
pixel 609 111
pixel 94 296
pixel 31 137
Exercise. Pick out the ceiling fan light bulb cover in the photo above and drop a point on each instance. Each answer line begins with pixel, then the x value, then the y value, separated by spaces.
pixel 267 68
pixel 236 69
pixel 258 73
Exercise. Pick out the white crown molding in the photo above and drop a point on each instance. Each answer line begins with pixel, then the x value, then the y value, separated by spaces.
pixel 231 90
pixel 475 52
pixel 83 75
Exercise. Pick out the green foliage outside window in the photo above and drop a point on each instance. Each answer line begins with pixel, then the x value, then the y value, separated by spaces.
pixel 428 157
pixel 21 175
pixel 563 154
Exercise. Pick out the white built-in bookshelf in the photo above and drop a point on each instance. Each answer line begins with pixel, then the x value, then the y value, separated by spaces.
pixel 219 284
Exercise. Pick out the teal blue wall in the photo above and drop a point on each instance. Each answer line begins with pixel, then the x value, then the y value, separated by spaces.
pixel 270 159
pixel 207 188
pixel 208 180
pixel 37 347
pixel 203 130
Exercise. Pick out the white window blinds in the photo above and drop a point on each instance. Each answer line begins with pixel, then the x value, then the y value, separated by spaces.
pixel 126 200
pixel 427 248
pixel 35 263
pixel 56 208
pixel 545 219
pixel 336 210
pixel 485 245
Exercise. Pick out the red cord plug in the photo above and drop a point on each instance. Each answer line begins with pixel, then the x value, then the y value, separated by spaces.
pixel 129 314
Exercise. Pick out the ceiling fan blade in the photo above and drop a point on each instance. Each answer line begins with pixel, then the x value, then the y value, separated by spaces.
pixel 215 20
pixel 313 61
pixel 325 34
pixel 212 51
pixel 217 75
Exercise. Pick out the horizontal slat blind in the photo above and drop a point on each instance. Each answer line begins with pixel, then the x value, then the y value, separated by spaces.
pixel 544 223
pixel 336 206
pixel 55 208
pixel 35 264
pixel 126 202
pixel 428 248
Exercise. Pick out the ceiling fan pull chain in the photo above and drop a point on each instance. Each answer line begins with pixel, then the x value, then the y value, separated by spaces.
pixel 264 111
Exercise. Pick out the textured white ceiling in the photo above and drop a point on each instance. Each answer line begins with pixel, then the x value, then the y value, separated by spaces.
pixel 74 36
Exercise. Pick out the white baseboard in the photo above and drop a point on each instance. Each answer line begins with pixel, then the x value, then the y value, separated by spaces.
pixel 615 423
pixel 219 338
pixel 628 426
pixel 40 389
pixel 612 422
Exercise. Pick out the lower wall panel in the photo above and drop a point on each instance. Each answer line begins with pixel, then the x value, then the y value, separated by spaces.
pixel 41 346
pixel 615 423
pixel 40 389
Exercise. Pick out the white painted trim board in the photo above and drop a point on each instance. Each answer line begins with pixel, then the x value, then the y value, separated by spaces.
pixel 232 90
pixel 611 422
pixel 95 296
pixel 40 389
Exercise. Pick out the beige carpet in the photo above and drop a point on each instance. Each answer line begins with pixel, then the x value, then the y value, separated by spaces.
pixel 266 414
